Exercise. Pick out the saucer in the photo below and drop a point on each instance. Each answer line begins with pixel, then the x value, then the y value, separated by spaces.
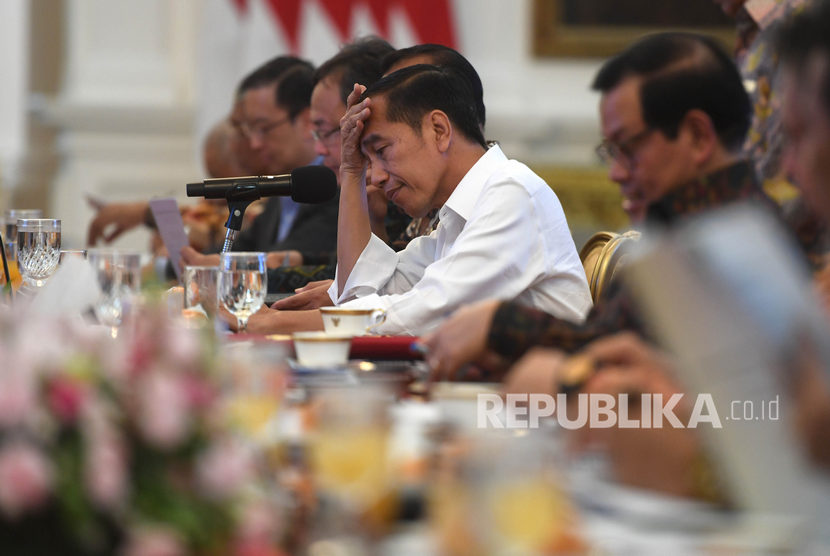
pixel 311 377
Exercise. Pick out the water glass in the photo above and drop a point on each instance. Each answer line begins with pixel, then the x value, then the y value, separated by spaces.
pixel 66 253
pixel 10 217
pixel 9 224
pixel 242 285
pixel 38 248
pixel 200 288
pixel 119 277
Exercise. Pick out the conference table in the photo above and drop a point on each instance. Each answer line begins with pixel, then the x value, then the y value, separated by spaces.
pixel 371 458
pixel 451 486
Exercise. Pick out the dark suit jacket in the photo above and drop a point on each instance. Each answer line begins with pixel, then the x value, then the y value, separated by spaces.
pixel 313 232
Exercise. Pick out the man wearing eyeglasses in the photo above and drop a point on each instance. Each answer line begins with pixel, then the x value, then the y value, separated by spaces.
pixel 674 115
pixel 272 112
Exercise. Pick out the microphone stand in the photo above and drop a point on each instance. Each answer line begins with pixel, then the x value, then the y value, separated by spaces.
pixel 239 197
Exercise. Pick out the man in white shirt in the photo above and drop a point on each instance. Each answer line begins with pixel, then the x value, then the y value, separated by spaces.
pixel 502 233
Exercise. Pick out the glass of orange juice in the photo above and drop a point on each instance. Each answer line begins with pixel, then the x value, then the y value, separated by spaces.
pixel 254 382
pixel 9 222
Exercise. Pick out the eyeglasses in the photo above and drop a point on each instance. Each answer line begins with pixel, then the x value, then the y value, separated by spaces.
pixel 622 151
pixel 260 129
pixel 323 136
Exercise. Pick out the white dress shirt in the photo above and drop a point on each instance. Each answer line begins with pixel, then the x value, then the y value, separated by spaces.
pixel 502 235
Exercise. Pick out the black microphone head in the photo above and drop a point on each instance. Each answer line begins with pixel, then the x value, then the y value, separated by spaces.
pixel 313 184
pixel 195 190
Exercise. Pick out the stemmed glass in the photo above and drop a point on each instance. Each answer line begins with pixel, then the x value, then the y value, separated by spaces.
pixel 38 248
pixel 242 285
pixel 119 277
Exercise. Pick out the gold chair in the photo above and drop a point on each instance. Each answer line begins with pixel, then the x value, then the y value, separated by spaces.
pixel 602 256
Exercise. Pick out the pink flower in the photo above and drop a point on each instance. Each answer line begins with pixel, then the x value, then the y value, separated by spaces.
pixel 200 393
pixel 66 397
pixel 226 466
pixel 256 548
pixel 258 523
pixel 154 541
pixel 25 478
pixel 182 345
pixel 17 397
pixel 30 344
pixel 162 410
pixel 105 471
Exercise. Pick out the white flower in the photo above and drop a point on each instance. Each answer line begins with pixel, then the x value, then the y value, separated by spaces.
pixel 105 470
pixel 226 467
pixel 162 409
pixel 18 396
pixel 183 345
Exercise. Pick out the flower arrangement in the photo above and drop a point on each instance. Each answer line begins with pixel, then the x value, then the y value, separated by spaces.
pixel 119 446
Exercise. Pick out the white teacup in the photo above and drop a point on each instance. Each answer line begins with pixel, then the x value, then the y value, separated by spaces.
pixel 321 349
pixel 348 320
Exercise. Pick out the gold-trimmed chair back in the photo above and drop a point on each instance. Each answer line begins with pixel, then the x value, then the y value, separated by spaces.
pixel 602 256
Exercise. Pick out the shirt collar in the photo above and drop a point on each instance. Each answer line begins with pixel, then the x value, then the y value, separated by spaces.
pixel 765 12
pixel 466 193
pixel 732 183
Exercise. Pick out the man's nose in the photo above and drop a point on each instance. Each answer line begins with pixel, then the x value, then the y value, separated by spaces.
pixel 618 172
pixel 255 141
pixel 320 148
pixel 377 174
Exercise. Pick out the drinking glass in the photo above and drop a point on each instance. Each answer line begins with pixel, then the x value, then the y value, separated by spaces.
pixel 349 449
pixel 9 222
pixel 349 446
pixel 200 288
pixel 10 217
pixel 242 285
pixel 119 277
pixel 503 495
pixel 66 253
pixel 254 380
pixel 38 248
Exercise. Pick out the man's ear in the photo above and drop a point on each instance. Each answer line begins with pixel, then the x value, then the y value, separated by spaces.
pixel 439 128
pixel 701 134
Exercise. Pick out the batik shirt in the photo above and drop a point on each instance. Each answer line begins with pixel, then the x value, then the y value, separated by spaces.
pixel 516 328
pixel 758 23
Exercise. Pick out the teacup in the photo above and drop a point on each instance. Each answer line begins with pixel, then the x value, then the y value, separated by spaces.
pixel 321 349
pixel 348 320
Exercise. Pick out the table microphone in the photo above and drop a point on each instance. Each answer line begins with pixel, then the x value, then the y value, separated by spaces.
pixel 306 184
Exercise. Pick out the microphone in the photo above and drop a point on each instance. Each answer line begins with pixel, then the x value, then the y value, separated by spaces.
pixel 306 184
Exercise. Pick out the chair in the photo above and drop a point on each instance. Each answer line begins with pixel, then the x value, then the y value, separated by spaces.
pixel 602 256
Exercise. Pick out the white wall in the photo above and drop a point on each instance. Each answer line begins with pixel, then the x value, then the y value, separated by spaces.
pixel 14 36
pixel 541 110
pixel 125 110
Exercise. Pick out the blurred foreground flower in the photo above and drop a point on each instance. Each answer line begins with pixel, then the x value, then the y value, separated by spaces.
pixel 118 446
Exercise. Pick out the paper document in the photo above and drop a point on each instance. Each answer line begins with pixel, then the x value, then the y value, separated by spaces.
pixel 170 226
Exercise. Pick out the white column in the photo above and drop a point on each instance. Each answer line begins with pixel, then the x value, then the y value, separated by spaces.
pixel 14 36
pixel 126 108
